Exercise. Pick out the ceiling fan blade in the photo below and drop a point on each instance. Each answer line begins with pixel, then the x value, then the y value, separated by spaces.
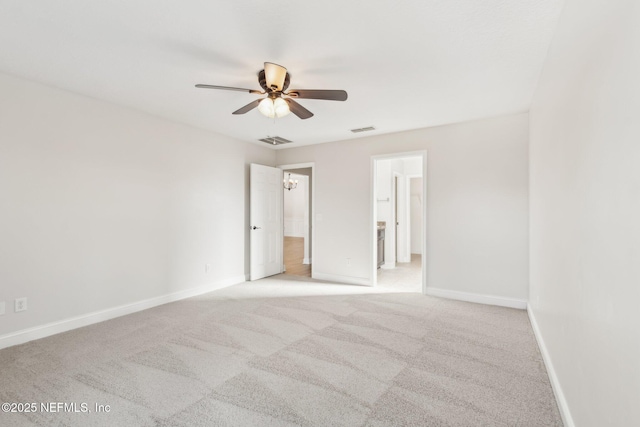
pixel 238 89
pixel 250 106
pixel 274 75
pixel 298 109
pixel 331 95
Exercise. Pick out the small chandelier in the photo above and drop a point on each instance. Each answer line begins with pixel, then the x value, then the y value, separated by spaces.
pixel 289 184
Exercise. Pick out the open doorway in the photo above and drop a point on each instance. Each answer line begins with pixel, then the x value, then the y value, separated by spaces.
pixel 399 213
pixel 297 218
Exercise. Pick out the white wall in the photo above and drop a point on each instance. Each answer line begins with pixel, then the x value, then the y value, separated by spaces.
pixel 585 211
pixel 477 204
pixel 102 206
pixel 412 166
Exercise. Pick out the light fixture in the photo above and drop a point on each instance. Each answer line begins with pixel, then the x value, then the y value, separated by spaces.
pixel 275 76
pixel 289 184
pixel 274 107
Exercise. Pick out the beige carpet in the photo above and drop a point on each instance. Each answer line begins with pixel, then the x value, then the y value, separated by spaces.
pixel 244 357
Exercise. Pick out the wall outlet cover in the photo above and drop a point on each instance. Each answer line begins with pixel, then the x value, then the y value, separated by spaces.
pixel 20 304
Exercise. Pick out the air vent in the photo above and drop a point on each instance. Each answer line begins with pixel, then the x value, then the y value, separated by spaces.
pixel 275 140
pixel 367 129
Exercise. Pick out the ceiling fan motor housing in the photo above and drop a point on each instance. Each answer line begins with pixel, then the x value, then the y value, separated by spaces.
pixel 263 82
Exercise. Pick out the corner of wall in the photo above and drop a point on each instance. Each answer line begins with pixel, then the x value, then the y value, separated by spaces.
pixel 561 400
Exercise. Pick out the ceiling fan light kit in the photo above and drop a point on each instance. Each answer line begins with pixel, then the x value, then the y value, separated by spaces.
pixel 271 108
pixel 274 79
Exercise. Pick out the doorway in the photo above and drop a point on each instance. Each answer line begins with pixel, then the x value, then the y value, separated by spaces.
pixel 297 220
pixel 399 221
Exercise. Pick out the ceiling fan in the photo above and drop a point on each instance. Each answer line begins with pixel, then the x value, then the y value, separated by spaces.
pixel 274 79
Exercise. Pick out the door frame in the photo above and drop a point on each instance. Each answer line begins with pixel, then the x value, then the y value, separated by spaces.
pixel 312 216
pixel 374 216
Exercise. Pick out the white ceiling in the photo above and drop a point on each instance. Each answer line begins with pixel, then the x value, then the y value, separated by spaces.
pixel 405 64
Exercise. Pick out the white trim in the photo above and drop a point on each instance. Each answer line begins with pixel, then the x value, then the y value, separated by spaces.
pixel 37 332
pixel 395 177
pixel 422 214
pixel 306 260
pixel 296 166
pixel 478 298
pixel 388 265
pixel 373 217
pixel 561 400
pixel 348 280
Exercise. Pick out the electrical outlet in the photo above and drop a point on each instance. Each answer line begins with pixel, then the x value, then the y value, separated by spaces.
pixel 1 308
pixel 348 262
pixel 207 267
pixel 20 304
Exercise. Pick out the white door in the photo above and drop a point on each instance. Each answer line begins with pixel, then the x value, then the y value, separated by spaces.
pixel 266 221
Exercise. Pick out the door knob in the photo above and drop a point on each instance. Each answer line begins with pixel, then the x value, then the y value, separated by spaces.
pixel 255 228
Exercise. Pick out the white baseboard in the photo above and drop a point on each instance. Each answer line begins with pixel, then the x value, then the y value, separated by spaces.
pixel 388 265
pixel 37 332
pixel 478 298
pixel 349 280
pixel 565 413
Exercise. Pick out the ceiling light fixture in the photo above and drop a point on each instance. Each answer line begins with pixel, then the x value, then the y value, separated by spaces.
pixel 274 79
pixel 274 107
pixel 289 184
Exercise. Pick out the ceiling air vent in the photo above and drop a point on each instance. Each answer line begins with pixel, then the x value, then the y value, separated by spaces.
pixel 275 140
pixel 367 129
